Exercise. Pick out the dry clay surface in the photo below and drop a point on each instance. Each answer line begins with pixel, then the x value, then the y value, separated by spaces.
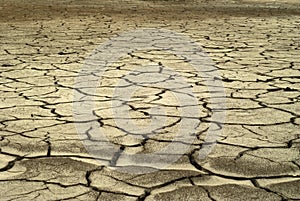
pixel 255 48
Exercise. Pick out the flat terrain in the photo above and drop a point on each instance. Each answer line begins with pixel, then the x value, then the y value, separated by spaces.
pixel 254 45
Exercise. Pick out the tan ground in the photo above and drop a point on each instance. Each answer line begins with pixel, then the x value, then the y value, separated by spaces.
pixel 255 45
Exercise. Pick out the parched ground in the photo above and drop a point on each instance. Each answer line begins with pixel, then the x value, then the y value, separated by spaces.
pixel 255 46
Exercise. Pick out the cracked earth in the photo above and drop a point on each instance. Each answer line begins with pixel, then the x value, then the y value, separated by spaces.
pixel 255 48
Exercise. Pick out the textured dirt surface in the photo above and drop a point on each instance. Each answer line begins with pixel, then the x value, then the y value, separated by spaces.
pixel 255 46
